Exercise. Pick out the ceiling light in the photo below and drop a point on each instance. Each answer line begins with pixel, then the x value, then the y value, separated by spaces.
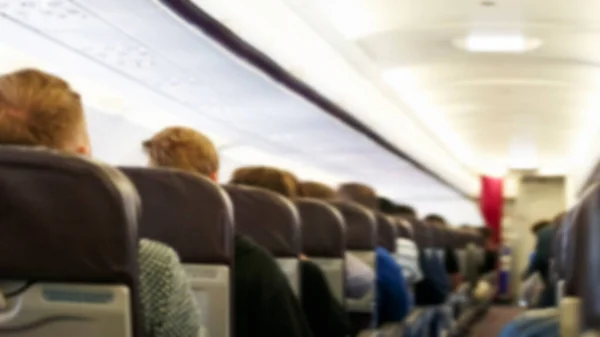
pixel 492 43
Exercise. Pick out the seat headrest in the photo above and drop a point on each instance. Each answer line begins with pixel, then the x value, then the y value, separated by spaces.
pixel 422 234
pixel 323 229
pixel 361 225
pixel 269 219
pixel 451 238
pixel 462 238
pixel 439 236
pixel 559 247
pixel 386 232
pixel 187 212
pixel 586 272
pixel 65 218
pixel 403 229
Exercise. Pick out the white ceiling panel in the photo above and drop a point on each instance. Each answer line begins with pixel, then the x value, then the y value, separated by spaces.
pixel 140 69
pixel 480 104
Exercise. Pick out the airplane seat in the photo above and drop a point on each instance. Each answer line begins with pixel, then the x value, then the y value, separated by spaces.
pixel 271 221
pixel 386 232
pixel 404 229
pixel 461 241
pixel 193 216
pixel 361 241
pixel 68 247
pixel 584 277
pixel 324 241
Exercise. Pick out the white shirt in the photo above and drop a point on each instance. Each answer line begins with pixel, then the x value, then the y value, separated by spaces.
pixel 407 256
pixel 360 277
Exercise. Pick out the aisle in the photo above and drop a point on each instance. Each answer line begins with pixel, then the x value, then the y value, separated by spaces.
pixel 497 317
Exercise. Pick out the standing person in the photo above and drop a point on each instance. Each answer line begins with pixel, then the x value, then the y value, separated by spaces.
pixel 265 304
pixel 39 109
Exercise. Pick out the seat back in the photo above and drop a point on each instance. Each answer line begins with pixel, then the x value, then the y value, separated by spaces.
pixel 422 234
pixel 361 240
pixel 386 232
pixel 586 272
pixel 273 222
pixel 324 241
pixel 404 229
pixel 193 216
pixel 68 235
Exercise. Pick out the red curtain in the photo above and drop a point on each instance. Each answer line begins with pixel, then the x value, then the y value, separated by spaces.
pixel 491 204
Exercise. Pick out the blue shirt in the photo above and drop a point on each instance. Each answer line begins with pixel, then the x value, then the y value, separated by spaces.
pixel 394 301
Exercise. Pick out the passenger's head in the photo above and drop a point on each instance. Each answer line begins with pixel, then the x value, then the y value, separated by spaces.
pixel 275 180
pixel 436 220
pixel 184 149
pixel 358 193
pixel 315 190
pixel 486 233
pixel 538 226
pixel 405 211
pixel 39 109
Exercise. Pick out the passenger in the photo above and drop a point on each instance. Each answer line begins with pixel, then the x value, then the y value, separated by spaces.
pixel 407 253
pixel 359 277
pixel 39 109
pixel 326 316
pixel 394 300
pixel 450 259
pixel 490 257
pixel 535 229
pixel 541 264
pixel 265 304
pixel 434 288
pixel 405 212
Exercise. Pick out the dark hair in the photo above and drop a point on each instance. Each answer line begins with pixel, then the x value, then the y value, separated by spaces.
pixel 315 190
pixel 485 232
pixel 405 211
pixel 386 205
pixel 275 180
pixel 358 193
pixel 435 218
pixel 538 226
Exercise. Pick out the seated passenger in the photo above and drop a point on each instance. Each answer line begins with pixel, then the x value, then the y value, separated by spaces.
pixel 326 316
pixel 407 253
pixel 393 299
pixel 359 276
pixel 38 109
pixel 265 304
pixel 434 287
pixel 450 259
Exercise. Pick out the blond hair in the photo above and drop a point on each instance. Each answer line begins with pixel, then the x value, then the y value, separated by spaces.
pixel 358 193
pixel 183 148
pixel 312 189
pixel 37 108
pixel 275 180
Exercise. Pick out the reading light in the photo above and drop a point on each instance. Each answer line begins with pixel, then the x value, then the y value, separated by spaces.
pixel 477 43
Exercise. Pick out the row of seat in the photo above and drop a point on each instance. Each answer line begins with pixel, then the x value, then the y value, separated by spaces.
pixel 70 227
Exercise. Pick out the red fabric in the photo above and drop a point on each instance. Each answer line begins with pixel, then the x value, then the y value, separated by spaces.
pixel 491 204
